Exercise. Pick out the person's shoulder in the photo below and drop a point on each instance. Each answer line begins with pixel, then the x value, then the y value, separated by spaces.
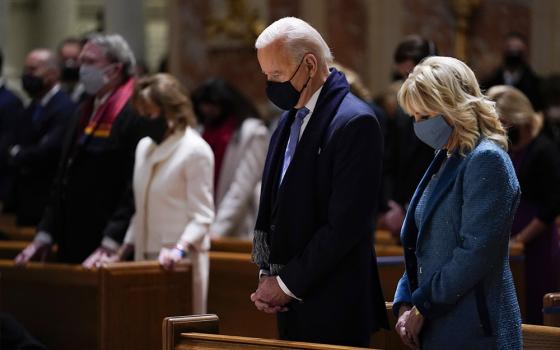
pixel 8 97
pixel 62 99
pixel 354 106
pixel 489 155
pixel 193 144
pixel 253 126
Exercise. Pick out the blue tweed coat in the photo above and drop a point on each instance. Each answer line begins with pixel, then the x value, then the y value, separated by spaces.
pixel 457 264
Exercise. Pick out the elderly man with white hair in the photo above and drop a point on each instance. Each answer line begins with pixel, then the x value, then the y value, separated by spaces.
pixel 91 202
pixel 313 236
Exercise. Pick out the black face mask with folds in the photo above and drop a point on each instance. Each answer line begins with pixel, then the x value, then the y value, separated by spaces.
pixel 32 85
pixel 513 135
pixel 155 128
pixel 513 59
pixel 70 74
pixel 284 94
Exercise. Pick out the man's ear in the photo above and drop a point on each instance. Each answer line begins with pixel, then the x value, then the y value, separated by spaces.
pixel 311 64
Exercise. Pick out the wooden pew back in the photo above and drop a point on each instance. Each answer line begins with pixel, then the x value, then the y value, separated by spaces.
pixel 551 309
pixel 119 306
pixel 200 332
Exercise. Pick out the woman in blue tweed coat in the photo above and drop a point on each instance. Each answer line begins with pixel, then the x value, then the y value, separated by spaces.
pixel 457 291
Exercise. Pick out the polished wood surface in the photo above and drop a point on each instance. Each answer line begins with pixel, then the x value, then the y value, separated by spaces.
pixel 551 309
pixel 540 337
pixel 9 249
pixel 119 306
pixel 200 332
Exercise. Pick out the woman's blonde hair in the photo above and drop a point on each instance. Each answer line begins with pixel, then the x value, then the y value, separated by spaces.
pixel 166 92
pixel 445 85
pixel 514 108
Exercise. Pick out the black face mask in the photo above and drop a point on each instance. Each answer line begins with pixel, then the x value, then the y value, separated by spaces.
pixel 70 73
pixel 513 59
pixel 32 85
pixel 513 135
pixel 283 94
pixel 155 128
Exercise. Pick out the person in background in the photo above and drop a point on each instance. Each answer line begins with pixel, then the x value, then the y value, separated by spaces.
pixel 516 71
pixel 551 108
pixel 232 127
pixel 173 185
pixel 313 238
pixel 91 202
pixel 457 290
pixel 406 157
pixel 537 165
pixel 35 153
pixel 68 55
pixel 11 109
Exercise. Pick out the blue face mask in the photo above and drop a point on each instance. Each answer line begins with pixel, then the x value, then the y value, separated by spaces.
pixel 434 132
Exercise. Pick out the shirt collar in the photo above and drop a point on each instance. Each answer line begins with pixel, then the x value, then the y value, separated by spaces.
pixel 49 95
pixel 101 100
pixel 313 100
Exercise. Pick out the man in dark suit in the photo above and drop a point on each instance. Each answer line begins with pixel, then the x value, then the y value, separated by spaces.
pixel 313 237
pixel 35 154
pixel 516 71
pixel 91 204
pixel 10 110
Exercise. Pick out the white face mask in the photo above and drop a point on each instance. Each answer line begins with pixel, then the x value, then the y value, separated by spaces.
pixel 93 78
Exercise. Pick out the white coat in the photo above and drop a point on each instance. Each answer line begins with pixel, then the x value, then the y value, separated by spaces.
pixel 238 188
pixel 173 195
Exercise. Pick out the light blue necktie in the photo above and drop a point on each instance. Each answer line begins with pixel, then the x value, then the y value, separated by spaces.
pixel 294 138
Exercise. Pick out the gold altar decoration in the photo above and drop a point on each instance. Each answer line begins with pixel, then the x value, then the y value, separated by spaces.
pixel 240 26
pixel 464 10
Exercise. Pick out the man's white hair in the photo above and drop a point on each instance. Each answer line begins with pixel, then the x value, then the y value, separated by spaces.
pixel 116 50
pixel 298 37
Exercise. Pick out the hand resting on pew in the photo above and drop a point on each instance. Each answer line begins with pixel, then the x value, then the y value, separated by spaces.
pixel 99 256
pixel 36 250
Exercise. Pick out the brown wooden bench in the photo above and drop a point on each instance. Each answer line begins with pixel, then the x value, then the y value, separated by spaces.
pixel 119 306
pixel 202 332
pixel 551 309
pixel 233 277
pixel 9 249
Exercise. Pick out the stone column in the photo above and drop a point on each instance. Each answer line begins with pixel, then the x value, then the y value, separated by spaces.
pixel 384 31
pixel 545 36
pixel 58 21
pixel 3 24
pixel 127 19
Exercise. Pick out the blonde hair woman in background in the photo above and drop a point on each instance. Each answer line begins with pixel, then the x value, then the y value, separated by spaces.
pixel 457 290
pixel 173 184
pixel 536 163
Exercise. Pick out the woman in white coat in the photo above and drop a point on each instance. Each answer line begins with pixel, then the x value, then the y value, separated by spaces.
pixel 239 139
pixel 173 185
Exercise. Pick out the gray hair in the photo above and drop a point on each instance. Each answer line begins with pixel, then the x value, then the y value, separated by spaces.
pixel 116 50
pixel 298 37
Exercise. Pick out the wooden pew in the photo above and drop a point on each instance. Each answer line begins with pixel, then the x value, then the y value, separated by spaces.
pixel 551 309
pixel 9 249
pixel 233 277
pixel 201 332
pixel 119 306
pixel 11 231
pixel 540 337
